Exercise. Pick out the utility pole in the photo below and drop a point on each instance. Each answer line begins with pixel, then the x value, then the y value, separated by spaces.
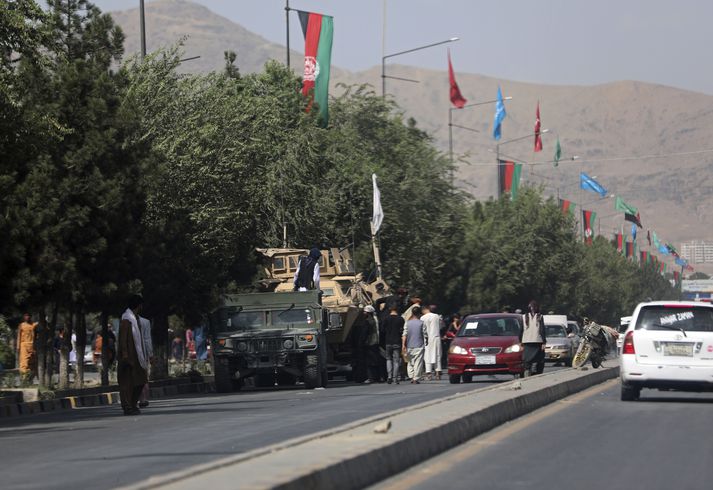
pixel 142 25
pixel 287 24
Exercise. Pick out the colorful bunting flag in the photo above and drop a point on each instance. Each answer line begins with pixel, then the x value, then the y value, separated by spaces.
pixel 499 115
pixel 558 153
pixel 509 177
pixel 589 184
pixel 588 218
pixel 567 207
pixel 456 98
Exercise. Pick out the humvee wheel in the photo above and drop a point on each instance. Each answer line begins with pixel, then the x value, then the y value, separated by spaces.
pixel 224 382
pixel 313 372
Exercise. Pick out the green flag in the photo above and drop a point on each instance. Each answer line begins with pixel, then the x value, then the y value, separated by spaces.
pixel 558 153
pixel 620 205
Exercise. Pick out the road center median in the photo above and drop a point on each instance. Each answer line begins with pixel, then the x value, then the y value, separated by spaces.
pixel 355 456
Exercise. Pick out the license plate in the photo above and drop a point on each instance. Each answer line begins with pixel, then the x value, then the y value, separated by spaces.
pixel 485 359
pixel 684 350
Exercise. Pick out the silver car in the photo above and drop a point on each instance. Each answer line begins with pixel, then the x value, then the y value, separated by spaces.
pixel 560 347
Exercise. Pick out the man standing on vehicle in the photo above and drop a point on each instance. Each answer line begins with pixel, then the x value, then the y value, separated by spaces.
pixel 307 273
pixel 533 340
pixel 413 342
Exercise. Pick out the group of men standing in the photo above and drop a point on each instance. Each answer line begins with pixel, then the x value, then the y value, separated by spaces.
pixel 397 328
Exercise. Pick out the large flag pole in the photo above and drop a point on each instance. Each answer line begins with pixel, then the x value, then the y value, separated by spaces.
pixel 287 25
pixel 376 219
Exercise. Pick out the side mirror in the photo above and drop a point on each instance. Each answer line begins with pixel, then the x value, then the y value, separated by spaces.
pixel 570 335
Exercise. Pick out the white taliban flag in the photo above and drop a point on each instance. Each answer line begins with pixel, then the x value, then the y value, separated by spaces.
pixel 378 215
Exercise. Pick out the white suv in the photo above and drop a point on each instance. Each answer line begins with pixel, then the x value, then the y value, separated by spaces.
pixel 668 345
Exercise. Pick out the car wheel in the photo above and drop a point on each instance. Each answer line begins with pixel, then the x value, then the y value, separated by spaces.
pixel 629 393
pixel 454 378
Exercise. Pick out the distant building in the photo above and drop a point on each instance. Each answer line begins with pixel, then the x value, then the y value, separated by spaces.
pixel 697 252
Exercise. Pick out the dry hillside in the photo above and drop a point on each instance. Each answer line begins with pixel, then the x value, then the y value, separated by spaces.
pixel 625 118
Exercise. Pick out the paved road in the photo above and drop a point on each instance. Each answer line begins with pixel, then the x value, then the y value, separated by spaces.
pixel 101 448
pixel 590 441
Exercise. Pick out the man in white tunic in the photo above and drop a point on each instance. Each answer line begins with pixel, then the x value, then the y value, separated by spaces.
pixel 432 354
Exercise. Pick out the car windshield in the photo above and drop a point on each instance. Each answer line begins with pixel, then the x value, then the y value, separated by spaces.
pixel 245 320
pixel 292 315
pixel 675 317
pixel 555 331
pixel 486 327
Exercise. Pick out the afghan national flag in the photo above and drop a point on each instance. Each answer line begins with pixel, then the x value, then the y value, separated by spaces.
pixel 676 276
pixel 538 124
pixel 644 257
pixel 318 30
pixel 619 242
pixel 662 267
pixel 629 249
pixel 457 98
pixel 588 218
pixel 672 250
pixel 567 207
pixel 509 177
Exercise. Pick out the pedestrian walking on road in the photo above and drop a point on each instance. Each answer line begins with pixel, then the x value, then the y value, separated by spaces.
pixel 148 351
pixel 432 355
pixel 393 327
pixel 413 342
pixel 533 340
pixel 133 363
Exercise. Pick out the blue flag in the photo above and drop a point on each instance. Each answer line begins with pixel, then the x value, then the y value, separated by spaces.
pixel 664 250
pixel 633 232
pixel 589 184
pixel 499 115
pixel 681 262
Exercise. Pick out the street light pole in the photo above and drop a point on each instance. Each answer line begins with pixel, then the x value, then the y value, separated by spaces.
pixel 387 56
pixel 451 125
pixel 142 26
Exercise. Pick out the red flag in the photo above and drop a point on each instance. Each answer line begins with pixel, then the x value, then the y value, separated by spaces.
pixel 538 137
pixel 456 97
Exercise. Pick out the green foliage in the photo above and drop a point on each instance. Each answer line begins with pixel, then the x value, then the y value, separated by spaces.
pixel 7 345
pixel 136 178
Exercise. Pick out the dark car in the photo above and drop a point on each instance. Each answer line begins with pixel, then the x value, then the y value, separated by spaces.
pixel 488 343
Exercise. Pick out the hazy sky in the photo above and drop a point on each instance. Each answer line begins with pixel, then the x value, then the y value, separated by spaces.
pixel 547 41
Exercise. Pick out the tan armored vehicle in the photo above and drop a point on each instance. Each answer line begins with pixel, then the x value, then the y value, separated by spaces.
pixel 344 292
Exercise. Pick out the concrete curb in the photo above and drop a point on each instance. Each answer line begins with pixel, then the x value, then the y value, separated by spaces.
pixel 352 456
pixel 98 399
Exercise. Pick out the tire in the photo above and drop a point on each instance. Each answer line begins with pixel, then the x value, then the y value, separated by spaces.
pixel 224 382
pixel 467 378
pixel 312 373
pixel 596 362
pixel 629 393
pixel 583 352
pixel 454 379
pixel 264 380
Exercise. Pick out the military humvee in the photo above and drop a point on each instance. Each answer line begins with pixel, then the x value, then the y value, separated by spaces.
pixel 251 332
pixel 271 337
pixel 345 293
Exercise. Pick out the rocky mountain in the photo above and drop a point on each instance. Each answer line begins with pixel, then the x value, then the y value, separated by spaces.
pixel 617 129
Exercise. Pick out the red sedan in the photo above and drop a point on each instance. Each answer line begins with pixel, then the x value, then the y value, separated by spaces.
pixel 486 344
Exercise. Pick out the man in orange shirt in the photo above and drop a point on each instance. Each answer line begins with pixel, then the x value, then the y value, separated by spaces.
pixel 26 348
